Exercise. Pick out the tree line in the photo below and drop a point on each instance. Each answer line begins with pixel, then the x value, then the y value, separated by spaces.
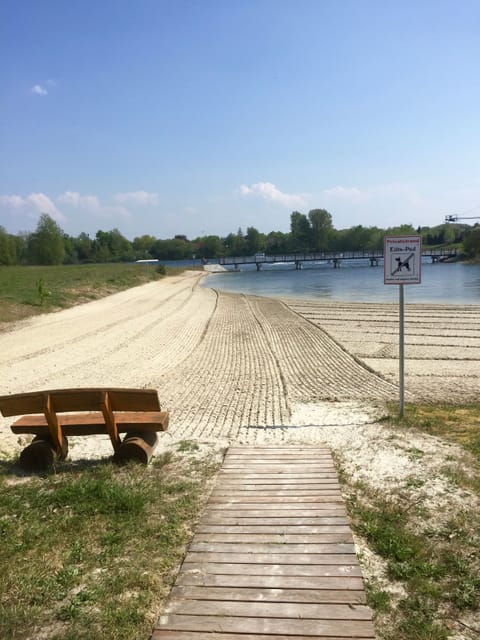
pixel 312 232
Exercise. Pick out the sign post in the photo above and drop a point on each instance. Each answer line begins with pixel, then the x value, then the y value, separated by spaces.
pixel 402 264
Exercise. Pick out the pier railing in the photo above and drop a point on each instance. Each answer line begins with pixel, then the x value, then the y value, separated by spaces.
pixel 335 257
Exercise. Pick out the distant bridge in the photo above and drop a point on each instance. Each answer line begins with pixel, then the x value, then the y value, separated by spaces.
pixel 333 257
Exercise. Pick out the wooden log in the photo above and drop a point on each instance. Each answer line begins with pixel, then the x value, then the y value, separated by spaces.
pixel 42 454
pixel 137 446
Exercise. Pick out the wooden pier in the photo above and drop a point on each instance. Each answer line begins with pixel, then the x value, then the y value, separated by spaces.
pixel 335 258
pixel 272 557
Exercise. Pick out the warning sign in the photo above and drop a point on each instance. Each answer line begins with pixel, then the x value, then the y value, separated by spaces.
pixel 402 258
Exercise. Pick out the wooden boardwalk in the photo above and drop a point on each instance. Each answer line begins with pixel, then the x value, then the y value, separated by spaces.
pixel 272 557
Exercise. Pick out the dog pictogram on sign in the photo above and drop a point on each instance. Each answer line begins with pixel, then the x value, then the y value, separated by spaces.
pixel 402 259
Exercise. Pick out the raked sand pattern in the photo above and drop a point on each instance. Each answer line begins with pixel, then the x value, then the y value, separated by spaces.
pixel 244 368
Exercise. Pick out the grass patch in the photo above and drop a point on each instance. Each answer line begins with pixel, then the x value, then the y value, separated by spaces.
pixel 27 291
pixel 93 552
pixel 457 423
pixel 438 569
pixel 432 566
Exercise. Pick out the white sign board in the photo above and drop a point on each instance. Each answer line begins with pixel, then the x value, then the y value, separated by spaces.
pixel 402 259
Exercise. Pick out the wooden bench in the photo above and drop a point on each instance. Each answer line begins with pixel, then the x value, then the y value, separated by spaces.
pixel 54 415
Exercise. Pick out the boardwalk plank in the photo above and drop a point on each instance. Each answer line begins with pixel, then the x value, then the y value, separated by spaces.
pixel 269 503
pixel 333 494
pixel 272 557
pixel 317 583
pixel 336 503
pixel 209 518
pixel 275 558
pixel 233 593
pixel 274 538
pixel 284 548
pixel 164 634
pixel 246 569
pixel 224 624
pixel 304 611
pixel 276 529
pixel 311 512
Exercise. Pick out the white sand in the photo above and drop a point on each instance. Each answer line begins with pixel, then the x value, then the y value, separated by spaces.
pixel 244 368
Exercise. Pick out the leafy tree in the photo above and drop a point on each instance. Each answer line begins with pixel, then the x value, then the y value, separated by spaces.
pixel 84 247
pixel 71 256
pixel 254 241
pixel 471 244
pixel 46 246
pixel 8 248
pixel 401 230
pixel 358 238
pixel 112 246
pixel 300 232
pixel 235 244
pixel 143 246
pixel 277 242
pixel 209 247
pixel 321 229
pixel 173 249
pixel 441 234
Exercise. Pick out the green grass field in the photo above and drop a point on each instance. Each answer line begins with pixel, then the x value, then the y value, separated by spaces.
pixel 27 291
pixel 91 551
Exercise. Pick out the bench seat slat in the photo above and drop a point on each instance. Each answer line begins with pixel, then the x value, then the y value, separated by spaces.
pixel 80 400
pixel 93 423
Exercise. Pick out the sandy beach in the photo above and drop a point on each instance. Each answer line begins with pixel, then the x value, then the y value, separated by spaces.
pixel 244 369
pixel 249 370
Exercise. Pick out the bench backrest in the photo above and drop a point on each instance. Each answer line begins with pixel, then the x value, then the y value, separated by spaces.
pixel 66 400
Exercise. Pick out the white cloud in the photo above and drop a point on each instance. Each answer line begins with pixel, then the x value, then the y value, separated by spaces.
pixel 39 202
pixel 375 194
pixel 39 90
pixel 383 205
pixel 269 191
pixel 348 194
pixel 73 198
pixel 143 198
pixel 12 202
pixel 45 205
pixel 91 204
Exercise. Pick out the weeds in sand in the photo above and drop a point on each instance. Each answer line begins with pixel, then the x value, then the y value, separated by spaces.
pixel 437 567
pixel 457 423
pixel 432 566
pixel 93 552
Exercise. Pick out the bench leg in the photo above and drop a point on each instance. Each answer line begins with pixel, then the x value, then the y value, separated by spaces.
pixel 138 446
pixel 41 454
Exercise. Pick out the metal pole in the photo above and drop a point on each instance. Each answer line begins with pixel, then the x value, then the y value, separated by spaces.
pixel 402 352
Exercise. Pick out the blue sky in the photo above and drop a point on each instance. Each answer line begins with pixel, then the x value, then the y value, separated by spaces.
pixel 196 117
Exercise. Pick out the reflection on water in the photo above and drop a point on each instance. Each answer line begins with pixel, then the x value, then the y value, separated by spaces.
pixel 443 283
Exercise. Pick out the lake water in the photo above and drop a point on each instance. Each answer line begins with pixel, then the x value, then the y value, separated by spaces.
pixel 453 283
